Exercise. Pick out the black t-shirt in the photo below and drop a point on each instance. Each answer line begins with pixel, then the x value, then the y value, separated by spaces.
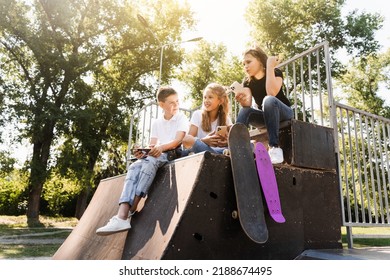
pixel 257 88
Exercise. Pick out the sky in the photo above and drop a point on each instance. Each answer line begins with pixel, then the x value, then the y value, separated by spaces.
pixel 223 21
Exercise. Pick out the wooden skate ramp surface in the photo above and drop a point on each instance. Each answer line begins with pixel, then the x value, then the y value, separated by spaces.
pixel 83 243
pixel 163 209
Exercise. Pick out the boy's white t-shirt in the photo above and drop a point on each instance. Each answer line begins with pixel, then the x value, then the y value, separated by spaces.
pixel 196 120
pixel 165 130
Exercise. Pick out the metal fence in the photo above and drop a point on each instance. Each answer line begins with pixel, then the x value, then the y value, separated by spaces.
pixel 364 152
pixel 361 139
pixel 362 142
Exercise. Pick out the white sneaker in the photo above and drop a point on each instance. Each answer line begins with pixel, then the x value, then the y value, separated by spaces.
pixel 276 155
pixel 113 226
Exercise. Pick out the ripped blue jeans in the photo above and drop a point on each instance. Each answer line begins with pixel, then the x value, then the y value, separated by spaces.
pixel 273 112
pixel 140 177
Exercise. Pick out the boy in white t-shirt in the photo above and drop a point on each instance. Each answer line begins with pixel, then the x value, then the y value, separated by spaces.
pixel 167 133
pixel 202 135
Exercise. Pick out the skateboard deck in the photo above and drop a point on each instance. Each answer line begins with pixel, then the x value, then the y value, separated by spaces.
pixel 268 183
pixel 246 184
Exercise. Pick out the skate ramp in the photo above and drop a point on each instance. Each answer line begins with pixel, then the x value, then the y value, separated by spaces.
pixel 167 202
pixel 83 243
pixel 191 212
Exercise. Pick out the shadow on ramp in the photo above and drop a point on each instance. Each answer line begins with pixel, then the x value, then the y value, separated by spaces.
pixel 191 213
pixel 151 226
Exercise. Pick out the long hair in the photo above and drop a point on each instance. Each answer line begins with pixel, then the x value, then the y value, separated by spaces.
pixel 223 109
pixel 257 53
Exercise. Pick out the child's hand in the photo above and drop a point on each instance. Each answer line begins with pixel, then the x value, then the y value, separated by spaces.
pixel 156 151
pixel 223 141
pixel 212 139
pixel 244 97
pixel 273 61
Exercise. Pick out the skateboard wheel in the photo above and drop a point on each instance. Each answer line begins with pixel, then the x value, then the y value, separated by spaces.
pixel 235 214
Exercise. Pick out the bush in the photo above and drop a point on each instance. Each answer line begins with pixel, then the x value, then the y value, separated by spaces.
pixel 13 200
pixel 59 195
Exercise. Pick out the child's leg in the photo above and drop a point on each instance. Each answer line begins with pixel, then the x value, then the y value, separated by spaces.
pixel 146 176
pixel 135 204
pixel 123 211
pixel 188 141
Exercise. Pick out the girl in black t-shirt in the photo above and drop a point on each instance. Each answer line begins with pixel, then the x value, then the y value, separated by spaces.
pixel 264 83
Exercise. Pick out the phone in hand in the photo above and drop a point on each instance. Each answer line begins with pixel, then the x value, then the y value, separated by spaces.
pixel 236 87
pixel 221 130
pixel 144 151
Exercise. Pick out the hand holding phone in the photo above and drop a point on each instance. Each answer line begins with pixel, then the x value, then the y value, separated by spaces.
pixel 236 87
pixel 141 152
pixel 221 131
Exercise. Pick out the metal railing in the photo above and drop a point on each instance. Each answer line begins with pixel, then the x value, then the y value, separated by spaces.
pixel 364 152
pixel 361 139
pixel 308 85
pixel 141 124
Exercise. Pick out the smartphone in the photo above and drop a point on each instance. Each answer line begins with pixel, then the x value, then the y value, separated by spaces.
pixel 144 151
pixel 236 87
pixel 221 130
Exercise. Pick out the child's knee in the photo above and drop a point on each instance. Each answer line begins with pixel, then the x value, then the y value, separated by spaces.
pixel 188 141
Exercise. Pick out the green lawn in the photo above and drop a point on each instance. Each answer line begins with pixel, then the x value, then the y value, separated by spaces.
pixel 368 242
pixel 44 238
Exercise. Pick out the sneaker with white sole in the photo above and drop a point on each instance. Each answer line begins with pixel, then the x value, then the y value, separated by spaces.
pixel 276 155
pixel 115 225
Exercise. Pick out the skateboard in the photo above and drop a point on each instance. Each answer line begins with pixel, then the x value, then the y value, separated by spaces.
pixel 268 182
pixel 246 185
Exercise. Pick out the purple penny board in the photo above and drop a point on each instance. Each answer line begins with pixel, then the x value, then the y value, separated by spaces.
pixel 268 182
pixel 246 184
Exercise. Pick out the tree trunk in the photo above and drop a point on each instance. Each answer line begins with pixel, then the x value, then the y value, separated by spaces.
pixel 41 152
pixel 82 202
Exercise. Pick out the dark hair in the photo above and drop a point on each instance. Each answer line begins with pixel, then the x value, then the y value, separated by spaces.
pixel 164 92
pixel 257 53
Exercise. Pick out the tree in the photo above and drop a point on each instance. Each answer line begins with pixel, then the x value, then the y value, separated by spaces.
pixel 51 50
pixel 208 63
pixel 290 27
pixel 360 84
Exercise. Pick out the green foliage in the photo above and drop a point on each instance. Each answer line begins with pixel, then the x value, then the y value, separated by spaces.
pixel 12 193
pixel 290 27
pixel 201 67
pixel 58 192
pixel 360 84
pixel 73 70
pixel 6 163
pixel 209 63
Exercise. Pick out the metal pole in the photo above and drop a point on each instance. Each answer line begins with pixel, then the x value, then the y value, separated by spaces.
pixel 161 61
pixel 162 46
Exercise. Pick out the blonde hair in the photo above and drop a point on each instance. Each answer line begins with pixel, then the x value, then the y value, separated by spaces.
pixel 223 110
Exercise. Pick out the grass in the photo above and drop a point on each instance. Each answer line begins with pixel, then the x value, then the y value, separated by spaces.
pixel 43 239
pixel 360 242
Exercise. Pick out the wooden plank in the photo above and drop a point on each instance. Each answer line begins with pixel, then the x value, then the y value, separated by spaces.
pixel 83 243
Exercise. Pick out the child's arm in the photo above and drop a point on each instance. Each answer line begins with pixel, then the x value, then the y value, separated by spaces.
pixel 156 151
pixel 193 130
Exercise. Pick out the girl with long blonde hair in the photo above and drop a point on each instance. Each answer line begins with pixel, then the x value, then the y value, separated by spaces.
pixel 202 134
